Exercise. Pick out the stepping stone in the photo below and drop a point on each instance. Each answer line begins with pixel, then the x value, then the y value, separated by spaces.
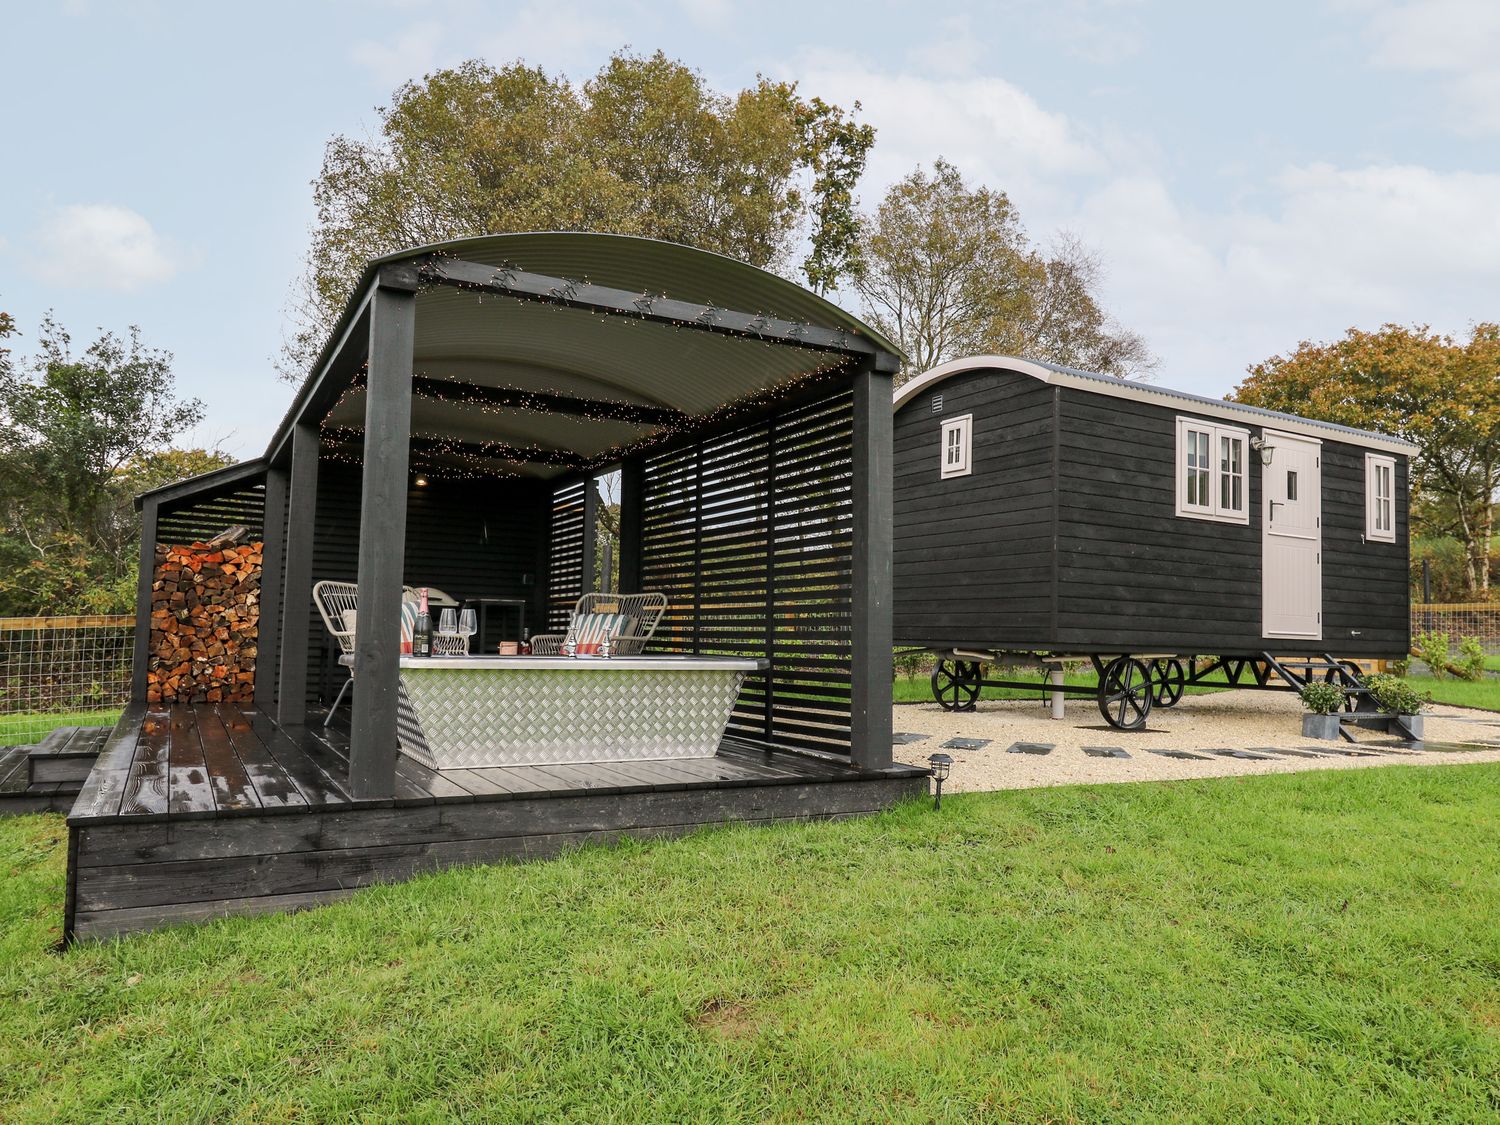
pixel 1244 755
pixel 1289 752
pixel 1105 752
pixel 966 744
pixel 1182 755
pixel 1031 748
pixel 1345 752
pixel 901 738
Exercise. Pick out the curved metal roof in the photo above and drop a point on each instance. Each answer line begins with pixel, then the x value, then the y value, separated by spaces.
pixel 1093 383
pixel 502 342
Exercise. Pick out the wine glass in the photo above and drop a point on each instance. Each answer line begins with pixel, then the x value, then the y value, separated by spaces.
pixel 448 623
pixel 468 623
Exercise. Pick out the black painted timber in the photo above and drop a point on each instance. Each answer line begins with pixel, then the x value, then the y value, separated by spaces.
pixel 258 818
pixel 1064 537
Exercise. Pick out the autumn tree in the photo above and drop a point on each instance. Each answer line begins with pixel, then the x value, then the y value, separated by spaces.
pixel 1441 395
pixel 644 147
pixel 947 270
pixel 80 435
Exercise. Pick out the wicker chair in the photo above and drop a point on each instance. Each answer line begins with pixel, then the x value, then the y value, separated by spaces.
pixel 643 613
pixel 338 605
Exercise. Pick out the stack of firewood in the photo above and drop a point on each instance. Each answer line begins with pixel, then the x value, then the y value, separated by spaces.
pixel 205 614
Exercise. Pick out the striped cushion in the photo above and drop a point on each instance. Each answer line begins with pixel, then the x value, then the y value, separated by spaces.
pixel 589 630
pixel 408 622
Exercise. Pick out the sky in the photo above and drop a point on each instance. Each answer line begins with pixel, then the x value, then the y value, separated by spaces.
pixel 1251 175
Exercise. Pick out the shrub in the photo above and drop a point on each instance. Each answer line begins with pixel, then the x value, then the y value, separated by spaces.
pixel 1323 699
pixel 1433 650
pixel 1470 662
pixel 1394 696
pixel 912 662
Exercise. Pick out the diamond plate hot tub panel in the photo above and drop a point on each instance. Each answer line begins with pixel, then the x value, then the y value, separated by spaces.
pixel 462 718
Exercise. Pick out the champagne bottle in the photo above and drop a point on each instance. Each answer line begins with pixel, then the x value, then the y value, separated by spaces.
pixel 422 634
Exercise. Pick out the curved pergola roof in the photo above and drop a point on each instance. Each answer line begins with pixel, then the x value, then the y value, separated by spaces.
pixel 1093 383
pixel 652 333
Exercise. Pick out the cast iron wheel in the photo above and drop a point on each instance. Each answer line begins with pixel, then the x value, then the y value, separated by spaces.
pixel 955 684
pixel 1167 682
pixel 1125 693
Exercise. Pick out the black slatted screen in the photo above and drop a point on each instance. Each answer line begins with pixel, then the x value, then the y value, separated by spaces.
pixel 750 536
pixel 565 576
pixel 203 519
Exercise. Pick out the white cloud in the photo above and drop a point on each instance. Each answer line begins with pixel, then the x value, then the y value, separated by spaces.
pixel 991 129
pixel 1458 40
pixel 412 53
pixel 102 246
pixel 1290 252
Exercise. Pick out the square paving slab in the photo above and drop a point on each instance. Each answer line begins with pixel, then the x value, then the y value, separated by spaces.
pixel 1287 752
pixel 1106 751
pixel 1244 755
pixel 1182 755
pixel 902 737
pixel 1031 748
pixel 966 744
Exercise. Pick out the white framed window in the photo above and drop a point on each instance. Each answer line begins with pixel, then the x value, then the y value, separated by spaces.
pixel 958 446
pixel 1212 478
pixel 1380 498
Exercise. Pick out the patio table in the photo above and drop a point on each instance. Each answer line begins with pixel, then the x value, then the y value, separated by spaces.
pixel 462 712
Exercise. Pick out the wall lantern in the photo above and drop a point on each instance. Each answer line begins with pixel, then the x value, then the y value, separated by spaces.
pixel 1265 450
pixel 421 481
pixel 941 765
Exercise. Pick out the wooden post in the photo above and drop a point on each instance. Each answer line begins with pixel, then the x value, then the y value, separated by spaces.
pixel 632 496
pixel 297 576
pixel 142 655
pixel 268 631
pixel 872 587
pixel 382 540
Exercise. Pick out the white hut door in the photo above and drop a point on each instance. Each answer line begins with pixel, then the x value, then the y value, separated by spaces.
pixel 1292 537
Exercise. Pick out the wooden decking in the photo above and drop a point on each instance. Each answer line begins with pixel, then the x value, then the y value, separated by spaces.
pixel 197 812
pixel 46 777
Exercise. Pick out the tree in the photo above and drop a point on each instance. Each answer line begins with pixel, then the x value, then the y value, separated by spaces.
pixel 79 436
pixel 643 148
pixel 1441 395
pixel 947 270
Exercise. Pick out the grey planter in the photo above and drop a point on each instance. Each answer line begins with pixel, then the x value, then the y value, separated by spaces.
pixel 1321 726
pixel 1412 723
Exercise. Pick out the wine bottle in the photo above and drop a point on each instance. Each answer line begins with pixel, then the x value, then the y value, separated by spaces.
pixel 422 634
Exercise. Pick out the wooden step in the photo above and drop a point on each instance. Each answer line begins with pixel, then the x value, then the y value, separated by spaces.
pixel 67 754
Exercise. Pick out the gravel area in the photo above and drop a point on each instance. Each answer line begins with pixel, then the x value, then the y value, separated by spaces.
pixel 1228 720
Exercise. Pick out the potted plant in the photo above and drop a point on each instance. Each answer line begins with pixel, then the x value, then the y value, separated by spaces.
pixel 1323 703
pixel 1396 698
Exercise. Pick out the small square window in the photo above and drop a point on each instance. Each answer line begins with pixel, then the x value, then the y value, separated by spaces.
pixel 957 446
pixel 1380 498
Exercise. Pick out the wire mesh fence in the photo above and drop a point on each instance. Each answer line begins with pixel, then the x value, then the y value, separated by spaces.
pixel 1460 619
pixel 62 671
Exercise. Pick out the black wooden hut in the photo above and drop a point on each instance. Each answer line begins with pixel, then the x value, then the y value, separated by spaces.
pixel 1042 509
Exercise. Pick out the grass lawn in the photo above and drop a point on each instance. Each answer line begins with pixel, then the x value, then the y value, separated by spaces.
pixel 1316 946
pixel 16 730
pixel 1461 693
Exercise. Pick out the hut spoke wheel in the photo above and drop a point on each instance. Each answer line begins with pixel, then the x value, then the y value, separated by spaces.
pixel 1125 693
pixel 1167 682
pixel 955 684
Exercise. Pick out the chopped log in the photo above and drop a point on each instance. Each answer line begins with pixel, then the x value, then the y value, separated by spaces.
pixel 205 615
pixel 236 534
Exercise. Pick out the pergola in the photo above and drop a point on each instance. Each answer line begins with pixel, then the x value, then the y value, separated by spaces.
pixel 749 419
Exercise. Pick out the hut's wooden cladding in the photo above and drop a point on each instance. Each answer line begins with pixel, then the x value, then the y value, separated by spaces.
pixel 201 520
pixel 758 570
pixel 565 568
